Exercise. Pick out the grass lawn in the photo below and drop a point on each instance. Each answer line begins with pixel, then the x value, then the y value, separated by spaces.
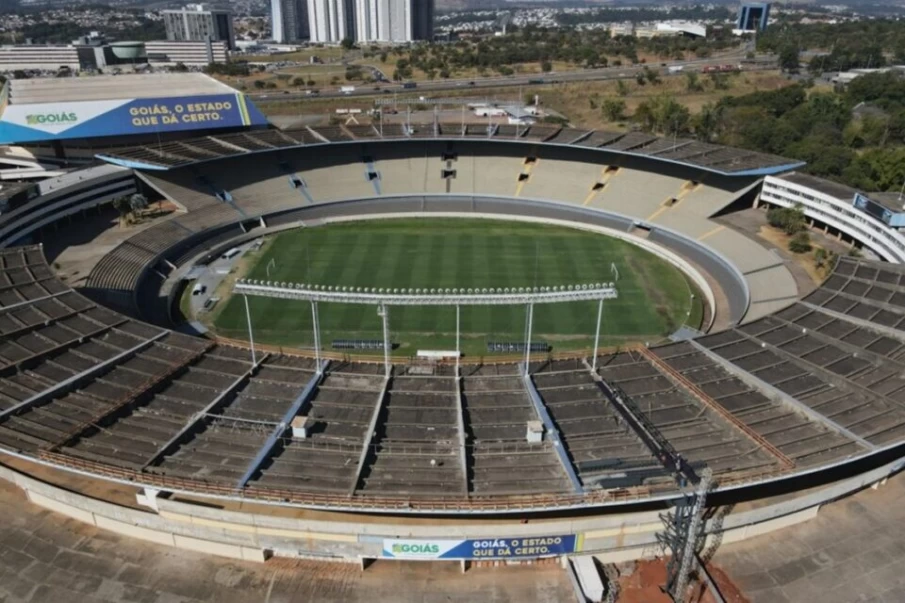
pixel 654 297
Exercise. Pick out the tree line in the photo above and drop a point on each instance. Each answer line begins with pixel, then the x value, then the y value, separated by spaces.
pixel 855 136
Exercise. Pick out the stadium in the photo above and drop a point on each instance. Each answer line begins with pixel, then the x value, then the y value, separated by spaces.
pixel 116 412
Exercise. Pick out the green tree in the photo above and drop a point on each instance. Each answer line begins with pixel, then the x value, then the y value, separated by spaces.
pixel 123 207
pixel 800 243
pixel 788 58
pixel 652 76
pixel 347 43
pixel 707 123
pixel 693 82
pixel 613 109
pixel 546 66
pixel 790 219
pixel 663 114
pixel 820 258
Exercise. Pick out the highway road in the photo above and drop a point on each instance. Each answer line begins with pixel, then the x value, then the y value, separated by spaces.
pixel 583 75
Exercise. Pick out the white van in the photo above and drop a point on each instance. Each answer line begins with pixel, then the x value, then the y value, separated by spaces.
pixel 231 253
pixel 199 289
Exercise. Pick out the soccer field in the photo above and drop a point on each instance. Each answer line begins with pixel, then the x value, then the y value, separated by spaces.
pixel 654 297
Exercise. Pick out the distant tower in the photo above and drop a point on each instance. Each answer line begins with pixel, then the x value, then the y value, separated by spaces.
pixel 197 23
pixel 395 21
pixel 289 20
pixel 753 16
pixel 331 21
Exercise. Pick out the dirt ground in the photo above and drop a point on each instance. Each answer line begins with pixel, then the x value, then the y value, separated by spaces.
pixel 643 585
pixel 73 252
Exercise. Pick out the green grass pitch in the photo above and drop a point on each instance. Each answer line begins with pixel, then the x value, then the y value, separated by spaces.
pixel 654 297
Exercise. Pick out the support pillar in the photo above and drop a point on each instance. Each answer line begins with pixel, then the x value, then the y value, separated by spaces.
pixel 597 335
pixel 529 324
pixel 458 345
pixel 384 311
pixel 316 327
pixel 251 339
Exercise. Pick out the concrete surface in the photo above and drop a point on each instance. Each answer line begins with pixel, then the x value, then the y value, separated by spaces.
pixel 45 557
pixel 73 252
pixel 853 551
pixel 212 275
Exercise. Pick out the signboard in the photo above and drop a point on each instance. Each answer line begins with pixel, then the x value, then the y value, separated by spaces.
pixel 61 121
pixel 490 548
pixel 872 208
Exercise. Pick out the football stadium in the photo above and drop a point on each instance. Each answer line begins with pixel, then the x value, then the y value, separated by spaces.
pixel 541 338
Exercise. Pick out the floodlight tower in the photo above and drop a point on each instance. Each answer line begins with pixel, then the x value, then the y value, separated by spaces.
pixel 683 532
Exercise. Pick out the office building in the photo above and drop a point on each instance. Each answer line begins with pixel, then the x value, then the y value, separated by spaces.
pixel 190 54
pixel 331 21
pixel 289 20
pixel 92 54
pixel 753 16
pixel 394 21
pixel 423 19
pixel 197 23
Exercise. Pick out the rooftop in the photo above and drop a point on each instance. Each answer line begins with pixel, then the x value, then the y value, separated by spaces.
pixel 893 201
pixel 113 87
pixel 827 187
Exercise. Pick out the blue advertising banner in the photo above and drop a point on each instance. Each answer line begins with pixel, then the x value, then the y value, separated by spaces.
pixel 490 548
pixel 60 121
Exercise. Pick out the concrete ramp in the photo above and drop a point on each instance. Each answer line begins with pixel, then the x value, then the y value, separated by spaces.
pixel 588 577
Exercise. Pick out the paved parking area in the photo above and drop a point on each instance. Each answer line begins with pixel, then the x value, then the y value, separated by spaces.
pixel 48 558
pixel 854 550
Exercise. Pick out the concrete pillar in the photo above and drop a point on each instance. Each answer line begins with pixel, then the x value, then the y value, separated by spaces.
pixel 463 564
pixel 148 498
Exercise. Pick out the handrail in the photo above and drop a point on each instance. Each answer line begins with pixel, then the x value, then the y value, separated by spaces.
pixel 715 406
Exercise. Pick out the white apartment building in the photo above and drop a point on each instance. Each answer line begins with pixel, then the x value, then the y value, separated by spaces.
pixel 42 57
pixel 834 205
pixel 393 21
pixel 330 21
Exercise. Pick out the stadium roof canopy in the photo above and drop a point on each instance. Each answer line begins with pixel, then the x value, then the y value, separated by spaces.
pixel 112 87
pixel 56 109
pixel 690 153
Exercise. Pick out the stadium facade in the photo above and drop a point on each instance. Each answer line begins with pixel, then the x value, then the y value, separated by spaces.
pixel 53 115
pixel 789 402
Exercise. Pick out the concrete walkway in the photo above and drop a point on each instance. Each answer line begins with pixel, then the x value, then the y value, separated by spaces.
pixel 49 558
pixel 854 550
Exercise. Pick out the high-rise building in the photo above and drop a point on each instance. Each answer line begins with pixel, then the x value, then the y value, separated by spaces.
pixel 753 16
pixel 289 20
pixel 197 23
pixel 423 19
pixel 331 20
pixel 396 21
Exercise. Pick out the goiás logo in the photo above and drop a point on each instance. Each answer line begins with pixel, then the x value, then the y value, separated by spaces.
pixel 411 548
pixel 51 119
